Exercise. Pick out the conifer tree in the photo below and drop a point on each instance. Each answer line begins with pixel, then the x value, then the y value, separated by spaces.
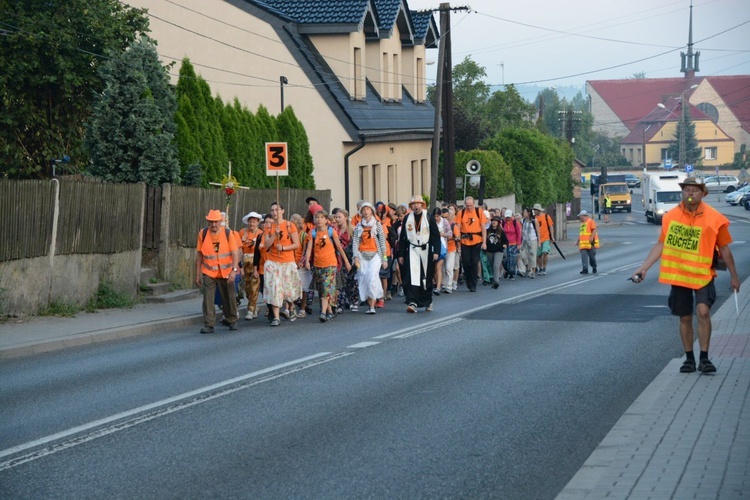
pixel 130 135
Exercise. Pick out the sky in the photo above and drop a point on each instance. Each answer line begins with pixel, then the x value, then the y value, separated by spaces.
pixel 550 43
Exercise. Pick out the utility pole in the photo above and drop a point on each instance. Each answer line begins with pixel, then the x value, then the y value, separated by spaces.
pixel 444 108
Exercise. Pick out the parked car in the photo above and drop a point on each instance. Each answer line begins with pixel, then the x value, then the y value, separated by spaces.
pixel 721 183
pixel 735 197
pixel 632 181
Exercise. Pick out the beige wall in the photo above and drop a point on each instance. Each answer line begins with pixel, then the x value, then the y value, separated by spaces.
pixel 708 135
pixel 727 121
pixel 392 172
pixel 606 121
pixel 262 58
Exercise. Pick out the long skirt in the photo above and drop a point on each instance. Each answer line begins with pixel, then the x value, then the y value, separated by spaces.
pixel 282 282
pixel 369 279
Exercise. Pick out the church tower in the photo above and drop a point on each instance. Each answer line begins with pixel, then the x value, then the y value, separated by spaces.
pixel 690 60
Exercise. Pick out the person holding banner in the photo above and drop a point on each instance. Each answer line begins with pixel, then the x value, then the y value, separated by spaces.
pixel 281 280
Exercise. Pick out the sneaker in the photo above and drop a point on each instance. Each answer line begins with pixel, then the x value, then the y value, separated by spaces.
pixel 412 308
pixel 448 290
pixel 301 313
pixel 380 303
pixel 496 285
pixel 512 278
pixel 532 276
pixel 339 310
pixel 225 321
pixel 428 308
pixel 207 329
pixel 354 308
pixel 388 295
pixel 370 310
pixel 233 326
pixel 436 291
pixel 688 366
pixel 322 318
pixel 585 271
pixel 285 313
pixel 308 309
pixel 593 270
pixel 455 286
pixel 293 315
pixel 275 322
pixel 249 316
pixel 705 366
pixel 400 291
pixel 472 289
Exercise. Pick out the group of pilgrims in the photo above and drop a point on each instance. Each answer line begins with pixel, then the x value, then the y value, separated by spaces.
pixel 381 252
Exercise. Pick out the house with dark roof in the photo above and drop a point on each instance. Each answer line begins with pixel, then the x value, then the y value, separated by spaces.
pixel 634 109
pixel 352 70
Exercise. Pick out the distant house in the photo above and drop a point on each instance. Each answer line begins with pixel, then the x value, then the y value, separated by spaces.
pixel 353 71
pixel 719 106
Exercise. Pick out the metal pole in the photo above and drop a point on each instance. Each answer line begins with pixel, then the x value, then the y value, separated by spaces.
pixel 282 81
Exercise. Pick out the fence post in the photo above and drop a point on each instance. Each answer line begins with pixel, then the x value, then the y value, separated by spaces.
pixel 166 198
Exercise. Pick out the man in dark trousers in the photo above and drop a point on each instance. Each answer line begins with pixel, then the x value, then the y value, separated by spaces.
pixel 418 250
pixel 472 224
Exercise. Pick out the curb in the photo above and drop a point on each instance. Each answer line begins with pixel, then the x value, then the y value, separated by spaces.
pixel 97 336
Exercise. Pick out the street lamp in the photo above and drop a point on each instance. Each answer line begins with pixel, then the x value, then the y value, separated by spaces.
pixel 644 130
pixel 282 81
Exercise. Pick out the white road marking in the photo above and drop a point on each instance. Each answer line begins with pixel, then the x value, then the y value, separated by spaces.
pixel 362 345
pixel 157 409
pixel 429 328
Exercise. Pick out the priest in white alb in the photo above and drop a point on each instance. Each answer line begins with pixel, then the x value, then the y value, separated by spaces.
pixel 418 250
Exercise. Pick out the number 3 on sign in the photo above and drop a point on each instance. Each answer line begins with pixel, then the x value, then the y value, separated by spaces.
pixel 277 159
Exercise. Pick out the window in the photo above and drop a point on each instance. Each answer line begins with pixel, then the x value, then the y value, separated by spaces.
pixel 420 80
pixel 364 171
pixel 377 192
pixel 385 83
pixel 395 79
pixel 709 154
pixel 359 82
pixel 425 177
pixel 391 195
pixel 415 178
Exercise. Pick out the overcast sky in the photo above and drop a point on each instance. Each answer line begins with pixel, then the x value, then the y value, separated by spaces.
pixel 556 43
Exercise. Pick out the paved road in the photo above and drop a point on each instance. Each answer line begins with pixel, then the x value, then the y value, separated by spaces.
pixel 504 401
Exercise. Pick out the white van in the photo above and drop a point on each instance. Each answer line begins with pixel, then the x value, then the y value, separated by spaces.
pixel 661 193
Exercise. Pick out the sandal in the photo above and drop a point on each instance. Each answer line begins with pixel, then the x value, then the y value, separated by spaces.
pixel 705 366
pixel 688 366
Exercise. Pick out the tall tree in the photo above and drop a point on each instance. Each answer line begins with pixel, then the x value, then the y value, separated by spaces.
pixel 130 136
pixel 692 149
pixel 506 108
pixel 50 54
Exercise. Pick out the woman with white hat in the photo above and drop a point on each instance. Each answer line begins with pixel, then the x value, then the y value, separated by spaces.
pixel 368 249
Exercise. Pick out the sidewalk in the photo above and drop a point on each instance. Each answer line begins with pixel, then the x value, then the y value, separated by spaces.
pixel 687 435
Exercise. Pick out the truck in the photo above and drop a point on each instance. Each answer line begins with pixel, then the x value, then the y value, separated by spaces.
pixel 661 193
pixel 616 187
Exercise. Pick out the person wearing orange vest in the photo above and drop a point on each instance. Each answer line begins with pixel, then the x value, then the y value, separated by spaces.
pixel 472 225
pixel 282 283
pixel 691 234
pixel 216 266
pixel 587 242
pixel 249 236
pixel 546 235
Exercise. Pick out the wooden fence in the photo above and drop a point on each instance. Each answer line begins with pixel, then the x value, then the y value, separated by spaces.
pixel 26 215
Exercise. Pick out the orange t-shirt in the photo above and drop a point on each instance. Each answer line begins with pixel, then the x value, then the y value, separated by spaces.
pixel 248 240
pixel 471 222
pixel 284 239
pixel 367 241
pixel 324 251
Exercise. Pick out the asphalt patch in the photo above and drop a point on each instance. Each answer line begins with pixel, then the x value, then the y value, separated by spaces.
pixel 595 308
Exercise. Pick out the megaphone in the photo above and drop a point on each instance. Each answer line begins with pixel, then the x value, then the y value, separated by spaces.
pixel 473 167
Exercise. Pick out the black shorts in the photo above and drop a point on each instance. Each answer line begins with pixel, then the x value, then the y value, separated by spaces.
pixel 681 298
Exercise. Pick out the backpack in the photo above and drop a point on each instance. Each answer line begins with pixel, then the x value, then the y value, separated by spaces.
pixel 205 232
pixel 313 233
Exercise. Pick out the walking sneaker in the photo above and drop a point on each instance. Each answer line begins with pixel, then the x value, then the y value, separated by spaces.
pixel 593 270
pixel 308 309
pixel 292 315
pixel 705 366
pixel 207 329
pixel 448 290
pixel 400 291
pixel 285 313
pixel 388 295
pixel 455 286
pixel 275 322
pixel 380 303
pixel 354 308
pixel 301 313
pixel 233 326
pixel 428 308
pixel 249 316
pixel 412 308
pixel 339 310
pixel 436 291
pixel 585 271
pixel 370 310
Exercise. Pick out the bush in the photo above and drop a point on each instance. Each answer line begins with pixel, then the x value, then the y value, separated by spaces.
pixel 108 298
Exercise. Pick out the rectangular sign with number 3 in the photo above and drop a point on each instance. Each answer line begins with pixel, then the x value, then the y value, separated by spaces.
pixel 277 163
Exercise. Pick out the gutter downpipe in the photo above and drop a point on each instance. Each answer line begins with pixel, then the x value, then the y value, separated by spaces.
pixel 346 169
